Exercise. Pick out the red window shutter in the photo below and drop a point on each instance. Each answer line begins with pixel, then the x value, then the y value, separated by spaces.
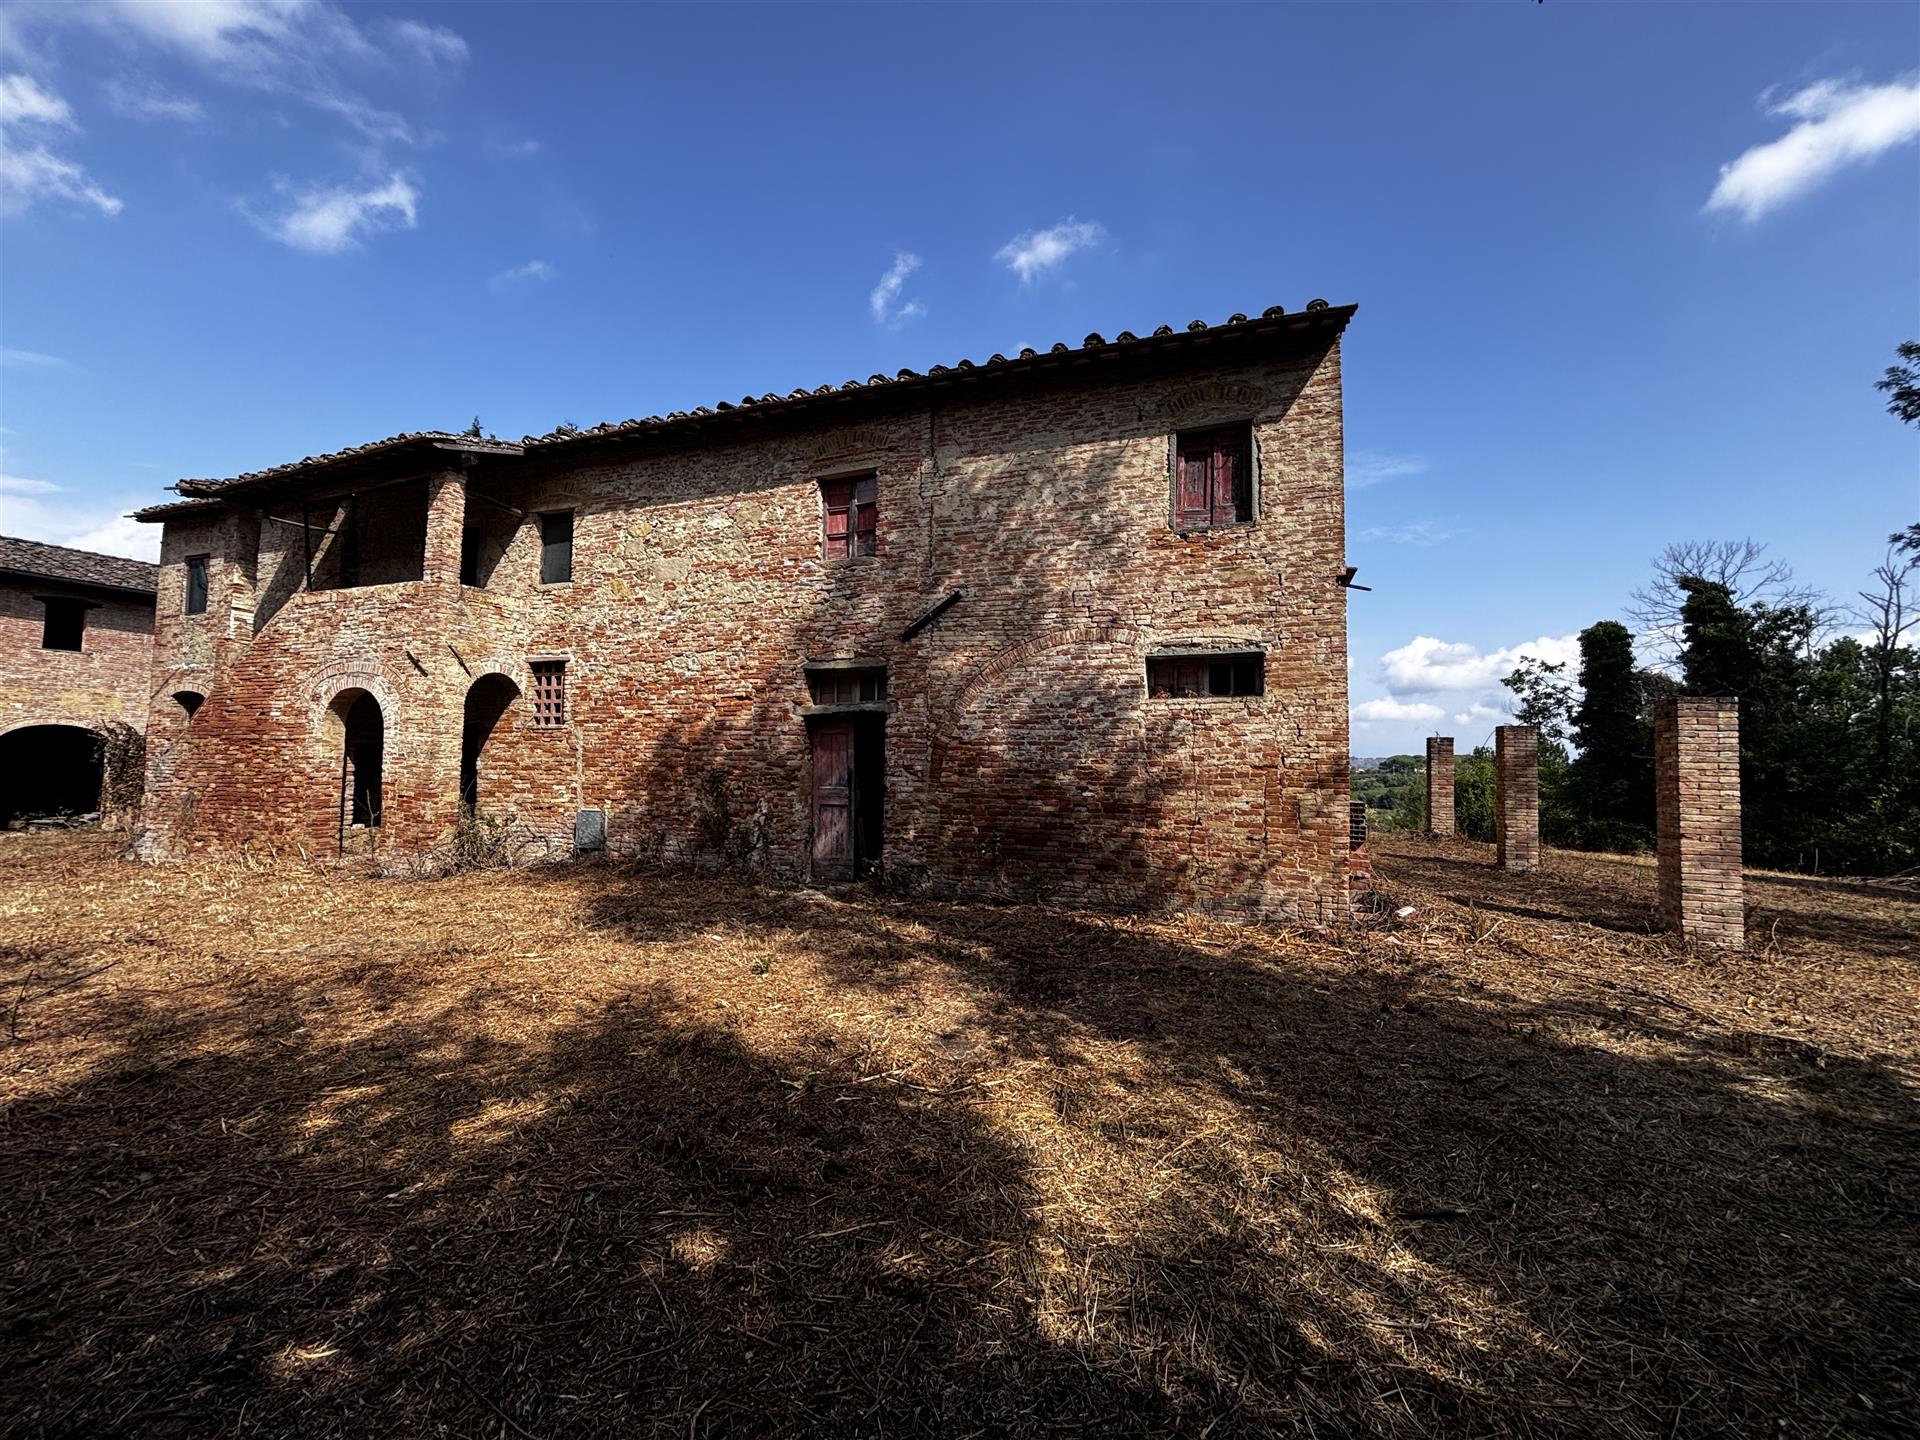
pixel 1192 506
pixel 1232 479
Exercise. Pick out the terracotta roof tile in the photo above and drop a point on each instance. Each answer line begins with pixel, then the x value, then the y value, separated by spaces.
pixel 77 567
pixel 1029 359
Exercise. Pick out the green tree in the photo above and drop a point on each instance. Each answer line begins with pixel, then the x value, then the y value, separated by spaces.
pixel 1902 384
pixel 1473 794
pixel 1612 779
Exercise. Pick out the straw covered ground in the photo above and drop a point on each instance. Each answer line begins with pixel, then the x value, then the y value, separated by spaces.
pixel 597 1150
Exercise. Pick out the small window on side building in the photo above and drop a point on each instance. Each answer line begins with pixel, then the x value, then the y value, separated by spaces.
pixel 196 585
pixel 556 548
pixel 1213 477
pixel 65 624
pixel 1208 677
pixel 189 701
pixel 850 517
pixel 549 693
pixel 848 687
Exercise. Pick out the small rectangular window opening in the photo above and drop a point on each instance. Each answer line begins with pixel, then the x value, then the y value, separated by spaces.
pixel 1211 677
pixel 549 692
pixel 196 585
pixel 1213 477
pixel 848 687
pixel 65 624
pixel 471 538
pixel 556 548
pixel 850 516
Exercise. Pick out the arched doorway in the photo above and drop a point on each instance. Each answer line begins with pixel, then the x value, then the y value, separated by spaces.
pixel 49 770
pixel 488 700
pixel 362 761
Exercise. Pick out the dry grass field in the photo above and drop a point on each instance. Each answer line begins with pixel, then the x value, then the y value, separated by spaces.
pixel 598 1150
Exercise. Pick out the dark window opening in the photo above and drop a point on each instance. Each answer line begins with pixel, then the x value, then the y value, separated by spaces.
pixel 189 701
pixel 50 770
pixel 1213 478
pixel 549 692
pixel 850 517
pixel 1174 677
pixel 556 548
pixel 848 687
pixel 65 624
pixel 196 585
pixel 471 539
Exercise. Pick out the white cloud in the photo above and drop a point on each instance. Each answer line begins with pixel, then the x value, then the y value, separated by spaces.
pixel 28 510
pixel 144 100
pixel 1036 252
pixel 23 101
pixel 1836 123
pixel 328 221
pixel 1426 666
pixel 1376 467
pixel 1415 532
pixel 29 171
pixel 35 359
pixel 120 536
pixel 20 485
pixel 885 299
pixel 516 149
pixel 434 44
pixel 1369 712
pixel 533 270
pixel 1476 711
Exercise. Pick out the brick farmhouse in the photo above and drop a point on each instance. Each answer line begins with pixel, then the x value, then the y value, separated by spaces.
pixel 76 647
pixel 1070 624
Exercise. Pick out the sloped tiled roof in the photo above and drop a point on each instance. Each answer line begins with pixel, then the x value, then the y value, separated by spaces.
pixel 34 560
pixel 1318 316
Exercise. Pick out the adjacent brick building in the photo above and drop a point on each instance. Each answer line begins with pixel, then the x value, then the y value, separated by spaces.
pixel 1070 623
pixel 76 647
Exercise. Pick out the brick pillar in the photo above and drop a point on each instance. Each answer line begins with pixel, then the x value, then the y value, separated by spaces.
pixel 1516 813
pixel 446 522
pixel 1440 785
pixel 1696 781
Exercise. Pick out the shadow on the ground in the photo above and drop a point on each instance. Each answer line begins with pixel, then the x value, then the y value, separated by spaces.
pixel 1378 1201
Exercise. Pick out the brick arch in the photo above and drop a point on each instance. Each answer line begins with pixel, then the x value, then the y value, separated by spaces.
pixel 96 723
pixel 324 685
pixel 1212 400
pixel 849 446
pixel 993 674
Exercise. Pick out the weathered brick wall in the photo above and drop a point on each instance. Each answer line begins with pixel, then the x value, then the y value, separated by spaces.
pixel 1696 763
pixel 1439 785
pixel 1516 818
pixel 1022 750
pixel 102 683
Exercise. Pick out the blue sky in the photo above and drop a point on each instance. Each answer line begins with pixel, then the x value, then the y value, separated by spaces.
pixel 1626 273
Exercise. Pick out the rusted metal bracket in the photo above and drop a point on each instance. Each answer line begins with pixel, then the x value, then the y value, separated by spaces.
pixel 939 609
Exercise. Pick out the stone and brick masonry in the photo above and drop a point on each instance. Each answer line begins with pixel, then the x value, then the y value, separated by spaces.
pixel 1439 785
pixel 1516 779
pixel 47 694
pixel 1024 750
pixel 1696 764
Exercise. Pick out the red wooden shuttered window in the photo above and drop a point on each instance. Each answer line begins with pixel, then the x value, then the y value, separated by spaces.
pixel 851 523
pixel 549 692
pixel 1213 478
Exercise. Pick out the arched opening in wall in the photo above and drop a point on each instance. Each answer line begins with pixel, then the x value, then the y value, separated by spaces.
pixel 488 700
pixel 49 770
pixel 362 730
pixel 189 701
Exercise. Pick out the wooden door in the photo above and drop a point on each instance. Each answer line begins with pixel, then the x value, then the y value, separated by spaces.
pixel 833 800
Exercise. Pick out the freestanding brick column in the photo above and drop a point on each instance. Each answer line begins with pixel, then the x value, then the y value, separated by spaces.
pixel 1440 785
pixel 446 522
pixel 1696 779
pixel 1516 777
